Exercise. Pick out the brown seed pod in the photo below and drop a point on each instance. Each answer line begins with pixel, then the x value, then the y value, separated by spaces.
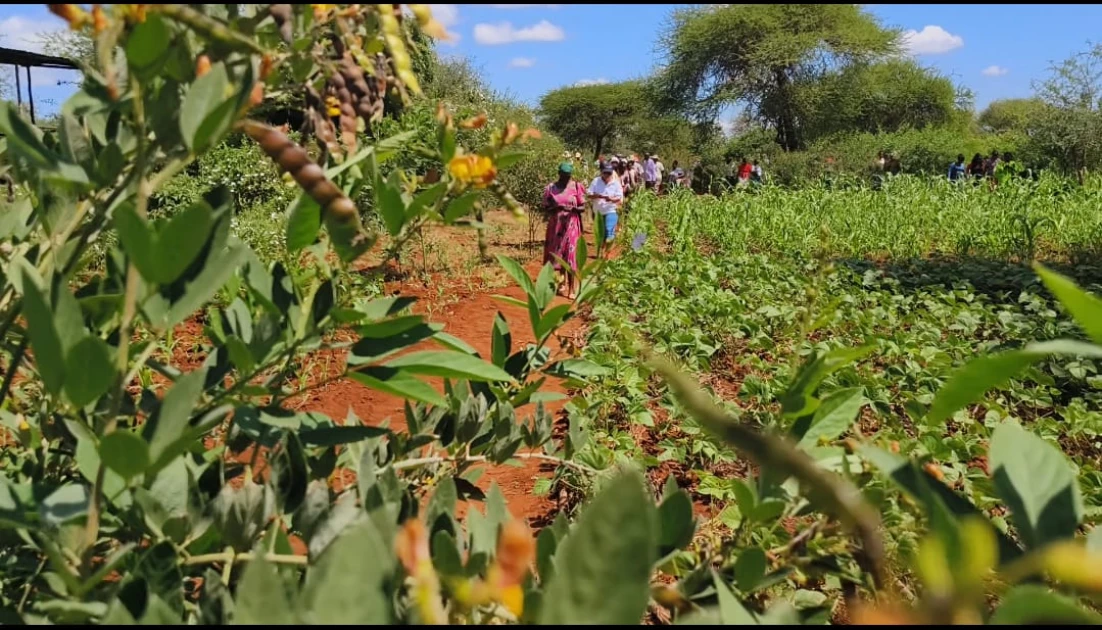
pixel 281 13
pixel 292 158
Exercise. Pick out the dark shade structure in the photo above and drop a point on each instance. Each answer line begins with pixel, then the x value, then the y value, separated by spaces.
pixel 28 60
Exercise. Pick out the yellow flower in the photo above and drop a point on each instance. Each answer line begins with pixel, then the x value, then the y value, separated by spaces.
pixel 23 424
pixel 321 10
pixel 332 106
pixel 512 598
pixel 474 169
pixel 99 19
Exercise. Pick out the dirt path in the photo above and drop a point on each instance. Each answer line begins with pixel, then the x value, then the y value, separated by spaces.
pixel 470 319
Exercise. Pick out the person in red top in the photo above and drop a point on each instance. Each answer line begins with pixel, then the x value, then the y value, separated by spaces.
pixel 744 169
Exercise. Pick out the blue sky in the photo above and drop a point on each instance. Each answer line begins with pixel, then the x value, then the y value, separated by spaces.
pixel 528 49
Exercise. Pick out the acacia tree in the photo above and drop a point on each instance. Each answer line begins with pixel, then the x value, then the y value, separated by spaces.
pixel 592 114
pixel 1071 130
pixel 759 54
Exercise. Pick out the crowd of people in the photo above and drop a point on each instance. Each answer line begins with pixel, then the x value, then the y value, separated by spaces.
pixel 991 168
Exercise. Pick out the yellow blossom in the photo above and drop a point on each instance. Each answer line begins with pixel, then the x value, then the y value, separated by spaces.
pixel 202 66
pixel 332 106
pixel 321 10
pixel 474 169
pixel 23 424
pixel 475 122
pixel 99 19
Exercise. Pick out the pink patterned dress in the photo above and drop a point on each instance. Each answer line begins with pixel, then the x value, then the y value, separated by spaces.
pixel 564 223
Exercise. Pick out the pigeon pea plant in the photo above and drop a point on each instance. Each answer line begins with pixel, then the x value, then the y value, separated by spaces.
pixel 141 488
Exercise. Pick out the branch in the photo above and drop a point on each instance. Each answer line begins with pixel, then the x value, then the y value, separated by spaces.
pixel 230 557
pixel 426 461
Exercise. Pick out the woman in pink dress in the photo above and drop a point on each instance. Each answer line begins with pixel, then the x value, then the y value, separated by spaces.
pixel 564 202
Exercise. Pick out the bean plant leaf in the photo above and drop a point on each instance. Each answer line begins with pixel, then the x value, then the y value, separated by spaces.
pixel 602 568
pixel 731 610
pixel 677 525
pixel 172 418
pixel 750 568
pixel 1037 483
pixel 399 383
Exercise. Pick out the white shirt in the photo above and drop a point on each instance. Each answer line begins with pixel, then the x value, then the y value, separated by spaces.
pixel 661 169
pixel 611 189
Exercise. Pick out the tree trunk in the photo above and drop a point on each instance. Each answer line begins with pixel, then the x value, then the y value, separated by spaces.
pixel 600 145
pixel 788 135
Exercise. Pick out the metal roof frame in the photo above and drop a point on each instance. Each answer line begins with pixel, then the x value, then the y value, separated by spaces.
pixel 28 60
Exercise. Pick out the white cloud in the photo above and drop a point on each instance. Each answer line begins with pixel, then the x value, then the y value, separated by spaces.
pixel 586 82
pixel 524 6
pixel 22 33
pixel 522 62
pixel 446 14
pixel 994 71
pixel 931 40
pixel 505 33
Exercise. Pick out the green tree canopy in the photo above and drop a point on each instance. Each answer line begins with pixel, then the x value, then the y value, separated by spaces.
pixel 759 54
pixel 1012 114
pixel 592 115
pixel 873 97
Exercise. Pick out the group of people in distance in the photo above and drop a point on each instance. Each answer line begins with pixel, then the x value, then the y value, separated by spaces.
pixel 564 203
pixel 979 168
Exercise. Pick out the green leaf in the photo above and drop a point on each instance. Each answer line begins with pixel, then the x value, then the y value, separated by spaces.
pixel 398 383
pixel 676 523
pixel 262 598
pixel 603 567
pixel 138 238
pixel 125 453
pixel 501 342
pixel 1029 604
pixel 449 365
pixel 424 199
pixel 578 369
pixel 518 274
pixel 172 418
pixel 23 140
pixel 750 568
pixel 216 272
pixel 920 486
pixel 969 384
pixel 389 204
pixel 337 435
pixel 180 240
pixel 454 343
pixel 551 320
pixel 1037 483
pixel 797 400
pixel 1085 308
pixel 64 504
pixel 89 369
pixel 346 587
pixel 731 610
pixel 44 338
pixel 303 223
pixel 835 414
pixel 204 115
pixel 148 43
pixel 460 207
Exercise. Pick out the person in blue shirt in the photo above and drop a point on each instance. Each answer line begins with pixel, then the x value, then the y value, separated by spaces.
pixel 956 169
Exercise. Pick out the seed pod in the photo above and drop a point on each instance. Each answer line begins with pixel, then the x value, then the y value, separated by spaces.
pixel 292 158
pixel 202 66
pixel 265 66
pixel 256 97
pixel 281 14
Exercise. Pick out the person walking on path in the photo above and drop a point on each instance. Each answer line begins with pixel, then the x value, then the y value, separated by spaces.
pixel 957 169
pixel 607 196
pixel 564 202
pixel 650 173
